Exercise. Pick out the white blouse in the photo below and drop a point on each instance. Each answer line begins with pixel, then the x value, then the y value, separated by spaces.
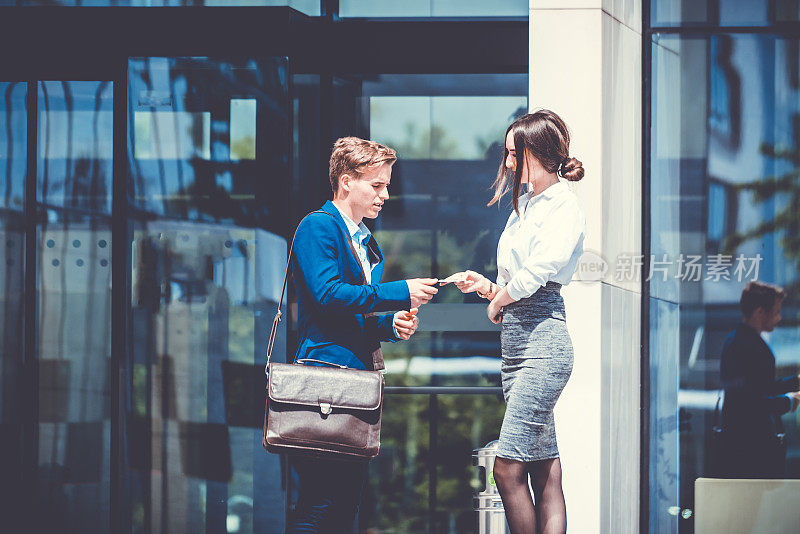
pixel 541 244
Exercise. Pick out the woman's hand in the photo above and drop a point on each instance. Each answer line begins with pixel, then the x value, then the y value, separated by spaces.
pixel 495 311
pixel 406 323
pixel 469 281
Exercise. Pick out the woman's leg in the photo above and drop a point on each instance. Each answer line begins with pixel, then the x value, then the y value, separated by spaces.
pixel 511 477
pixel 551 509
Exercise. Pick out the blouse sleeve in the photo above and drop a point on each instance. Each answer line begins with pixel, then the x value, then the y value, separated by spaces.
pixel 551 248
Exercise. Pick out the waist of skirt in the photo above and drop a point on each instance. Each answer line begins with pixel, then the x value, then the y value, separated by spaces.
pixel 547 296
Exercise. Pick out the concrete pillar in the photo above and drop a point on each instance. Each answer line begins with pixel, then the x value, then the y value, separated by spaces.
pixel 585 64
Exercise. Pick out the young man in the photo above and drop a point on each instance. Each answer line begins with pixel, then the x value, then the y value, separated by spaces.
pixel 337 272
pixel 754 400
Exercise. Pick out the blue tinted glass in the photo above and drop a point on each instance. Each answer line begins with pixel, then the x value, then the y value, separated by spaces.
pixel 208 153
pixel 433 8
pixel 73 301
pixel 309 7
pixel 724 156
pixel 74 160
pixel 722 12
pixel 414 448
pixel 13 144
pixel 449 132
pixel 14 396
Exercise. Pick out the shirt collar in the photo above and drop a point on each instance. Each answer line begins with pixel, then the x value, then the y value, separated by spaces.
pixel 354 229
pixel 550 192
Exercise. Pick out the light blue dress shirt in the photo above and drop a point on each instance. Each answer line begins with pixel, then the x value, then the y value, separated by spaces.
pixel 359 235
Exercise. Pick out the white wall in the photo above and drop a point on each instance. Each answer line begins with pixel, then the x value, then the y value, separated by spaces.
pixel 585 62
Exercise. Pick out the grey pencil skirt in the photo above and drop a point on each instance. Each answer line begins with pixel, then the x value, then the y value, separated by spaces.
pixel 537 362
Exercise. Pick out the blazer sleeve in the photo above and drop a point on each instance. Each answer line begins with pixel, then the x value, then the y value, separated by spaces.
pixel 740 377
pixel 316 261
pixel 785 385
pixel 385 326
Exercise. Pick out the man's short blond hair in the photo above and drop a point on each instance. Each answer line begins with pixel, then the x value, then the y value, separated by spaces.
pixel 355 156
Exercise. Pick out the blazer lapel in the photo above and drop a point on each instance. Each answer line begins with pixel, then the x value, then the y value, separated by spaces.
pixel 375 258
pixel 333 210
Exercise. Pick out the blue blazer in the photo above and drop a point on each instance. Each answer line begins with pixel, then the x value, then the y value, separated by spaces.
pixel 333 298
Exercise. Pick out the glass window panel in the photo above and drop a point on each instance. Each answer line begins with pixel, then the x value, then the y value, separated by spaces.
pixel 442 127
pixel 181 142
pixel 433 8
pixel 74 345
pixel 172 135
pixel 724 180
pixel 14 396
pixel 448 131
pixel 74 168
pixel 13 145
pixel 208 258
pixel 243 129
pixel 309 7
pixel 73 299
pixel 723 12
pixel 426 457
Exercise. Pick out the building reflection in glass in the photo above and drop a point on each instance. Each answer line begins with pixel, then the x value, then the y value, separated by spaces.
pixel 73 334
pixel 724 184
pixel 208 149
pixel 13 168
pixel 449 132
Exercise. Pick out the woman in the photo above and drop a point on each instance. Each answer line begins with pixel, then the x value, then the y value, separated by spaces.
pixel 537 254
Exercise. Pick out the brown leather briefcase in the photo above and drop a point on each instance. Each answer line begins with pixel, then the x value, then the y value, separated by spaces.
pixel 323 411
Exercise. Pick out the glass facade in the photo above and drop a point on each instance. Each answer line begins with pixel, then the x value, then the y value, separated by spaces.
pixel 688 13
pixel 723 211
pixel 447 130
pixel 207 152
pixel 433 8
pixel 146 207
pixel 13 394
pixel 308 7
pixel 423 479
pixel 73 247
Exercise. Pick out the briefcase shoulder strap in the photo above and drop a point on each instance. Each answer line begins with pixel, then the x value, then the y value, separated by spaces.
pixel 274 332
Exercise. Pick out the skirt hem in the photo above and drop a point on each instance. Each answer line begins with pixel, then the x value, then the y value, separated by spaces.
pixel 526 459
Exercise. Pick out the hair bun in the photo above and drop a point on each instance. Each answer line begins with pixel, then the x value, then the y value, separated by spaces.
pixel 572 169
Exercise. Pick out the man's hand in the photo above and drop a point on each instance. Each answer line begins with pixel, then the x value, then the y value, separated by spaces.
pixel 406 323
pixel 794 396
pixel 421 290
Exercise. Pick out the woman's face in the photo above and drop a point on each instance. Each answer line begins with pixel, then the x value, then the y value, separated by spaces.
pixel 532 166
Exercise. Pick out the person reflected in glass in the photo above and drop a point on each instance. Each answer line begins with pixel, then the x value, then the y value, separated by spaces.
pixel 337 271
pixel 537 253
pixel 753 440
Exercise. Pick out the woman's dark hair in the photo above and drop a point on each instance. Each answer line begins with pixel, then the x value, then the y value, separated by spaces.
pixel 759 295
pixel 545 137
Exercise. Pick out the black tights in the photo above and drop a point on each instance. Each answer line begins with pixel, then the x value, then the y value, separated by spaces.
pixel 549 514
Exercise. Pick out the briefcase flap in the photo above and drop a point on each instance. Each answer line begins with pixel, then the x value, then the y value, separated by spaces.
pixel 308 385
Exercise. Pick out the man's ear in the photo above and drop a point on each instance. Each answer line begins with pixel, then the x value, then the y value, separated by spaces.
pixel 344 182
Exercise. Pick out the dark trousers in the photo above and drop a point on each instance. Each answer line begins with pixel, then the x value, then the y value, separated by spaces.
pixel 330 492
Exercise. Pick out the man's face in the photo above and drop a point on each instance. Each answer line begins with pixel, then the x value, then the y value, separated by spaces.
pixel 772 317
pixel 366 195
